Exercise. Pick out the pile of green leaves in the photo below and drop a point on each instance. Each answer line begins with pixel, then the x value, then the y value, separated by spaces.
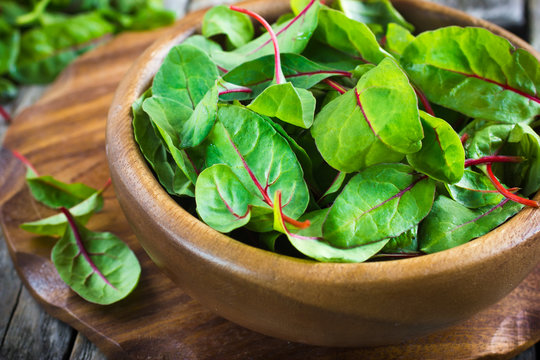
pixel 38 38
pixel 341 131
pixel 98 266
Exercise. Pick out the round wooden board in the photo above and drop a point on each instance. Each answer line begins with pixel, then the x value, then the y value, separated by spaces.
pixel 63 134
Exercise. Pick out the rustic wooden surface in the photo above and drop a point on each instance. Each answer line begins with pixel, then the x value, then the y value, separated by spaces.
pixel 27 332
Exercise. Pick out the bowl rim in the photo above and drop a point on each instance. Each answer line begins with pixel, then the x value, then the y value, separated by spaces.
pixel 123 154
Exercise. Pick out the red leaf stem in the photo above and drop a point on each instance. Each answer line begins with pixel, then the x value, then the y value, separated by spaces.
pixel 25 161
pixel 303 225
pixel 81 247
pixel 338 87
pixel 5 115
pixel 237 90
pixel 464 138
pixel 493 159
pixel 277 70
pixel 507 193
pixel 424 101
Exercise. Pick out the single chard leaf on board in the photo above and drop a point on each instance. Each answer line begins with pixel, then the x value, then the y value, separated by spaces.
pixel 376 13
pixel 364 126
pixel 474 190
pixel 98 266
pixel 56 225
pixel 478 74
pixel 380 202
pixel 45 51
pixel 349 36
pixel 235 26
pixel 310 243
pixel 261 159
pixel 292 105
pixel 170 176
pixel 442 156
pixel 450 224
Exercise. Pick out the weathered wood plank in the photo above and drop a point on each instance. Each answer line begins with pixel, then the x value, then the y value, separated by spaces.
pixel 34 334
pixel 529 354
pixel 83 349
pixel 10 286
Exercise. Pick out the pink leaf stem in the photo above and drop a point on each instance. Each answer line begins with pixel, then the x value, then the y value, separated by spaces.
pixel 424 101
pixel 508 194
pixel 334 85
pixel 5 115
pixel 25 161
pixel 493 159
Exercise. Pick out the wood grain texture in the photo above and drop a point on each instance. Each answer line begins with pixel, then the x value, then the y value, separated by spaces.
pixel 63 134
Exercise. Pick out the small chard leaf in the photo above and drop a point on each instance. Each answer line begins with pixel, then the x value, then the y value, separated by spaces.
pixel 170 176
pixel 360 70
pixel 45 51
pixel 293 37
pixel 450 224
pixel 199 124
pixel 235 26
pixel 147 18
pixel 349 36
pixel 222 200
pixel 97 266
pixel 194 75
pixel 364 126
pixel 262 160
pixel 474 190
pixel 9 49
pixel 310 243
pixel 292 105
pixel 405 243
pixel 206 45
pixel 54 193
pixel 326 55
pixel 380 202
pixel 442 156
pixel 397 39
pixel 478 74
pixel 56 225
pixel 487 138
pixel 336 185
pixel 373 12
pixel 298 70
pixel 8 90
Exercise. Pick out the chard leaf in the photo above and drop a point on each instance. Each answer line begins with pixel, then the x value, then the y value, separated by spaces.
pixel 292 105
pixel 97 266
pixel 45 51
pixel 326 55
pixel 56 194
pixel 56 225
pixel 310 243
pixel 380 202
pixel 474 190
pixel 450 224
pixel 204 44
pixel 148 17
pixel 222 200
pixel 349 36
pixel 8 90
pixel 292 36
pixel 478 74
pixel 379 12
pixel 235 26
pixel 334 188
pixel 298 70
pixel 405 243
pixel 261 159
pixel 170 176
pixel 360 70
pixel 365 125
pixel 397 39
pixel 9 49
pixel 442 156
pixel 487 139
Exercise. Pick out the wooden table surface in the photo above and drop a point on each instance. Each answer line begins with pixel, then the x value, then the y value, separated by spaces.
pixel 27 332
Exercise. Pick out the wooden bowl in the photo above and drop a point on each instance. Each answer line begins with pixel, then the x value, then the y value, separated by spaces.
pixel 299 300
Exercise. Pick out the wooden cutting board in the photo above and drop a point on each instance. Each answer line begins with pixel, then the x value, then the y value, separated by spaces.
pixel 63 134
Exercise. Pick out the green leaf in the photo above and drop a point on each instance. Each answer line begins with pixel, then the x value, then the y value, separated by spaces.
pixel 365 125
pixel 474 190
pixel 293 37
pixel 34 15
pixel 349 36
pixel 380 202
pixel 442 156
pixel 56 225
pixel 405 243
pixel 334 188
pixel 56 194
pixel 45 51
pixel 97 266
pixel 397 39
pixel 171 177
pixel 9 49
pixel 261 159
pixel 309 242
pixel 478 74
pixel 258 74
pixel 223 202
pixel 206 45
pixel 148 18
pixel 237 27
pixel 379 12
pixel 8 90
pixel 292 105
pixel 326 55
pixel 450 224
pixel 486 139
